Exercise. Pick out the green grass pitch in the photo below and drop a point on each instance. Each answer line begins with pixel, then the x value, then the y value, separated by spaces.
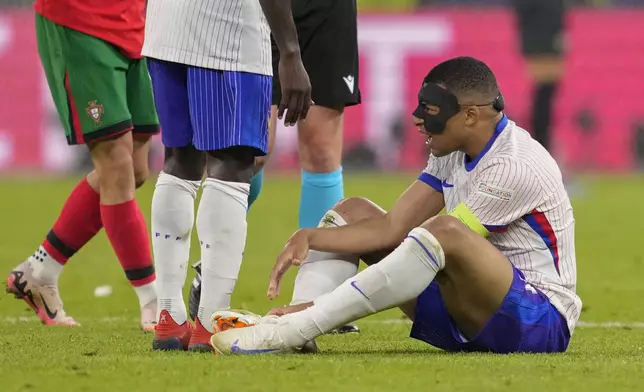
pixel 109 353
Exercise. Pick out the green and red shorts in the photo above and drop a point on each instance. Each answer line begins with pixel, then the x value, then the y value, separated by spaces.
pixel 98 92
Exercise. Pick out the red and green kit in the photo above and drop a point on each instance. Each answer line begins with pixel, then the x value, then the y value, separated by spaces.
pixel 91 54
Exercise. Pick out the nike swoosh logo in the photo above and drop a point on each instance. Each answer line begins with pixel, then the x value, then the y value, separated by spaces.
pixel 235 349
pixel 355 286
pixel 350 82
pixel 50 314
pixel 447 185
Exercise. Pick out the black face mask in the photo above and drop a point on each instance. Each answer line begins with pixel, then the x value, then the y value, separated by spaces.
pixel 437 105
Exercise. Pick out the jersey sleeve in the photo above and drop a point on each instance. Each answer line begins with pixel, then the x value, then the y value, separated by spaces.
pixel 503 192
pixel 435 172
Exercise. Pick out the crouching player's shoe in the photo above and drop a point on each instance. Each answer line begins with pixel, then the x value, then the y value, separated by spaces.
pixel 200 340
pixel 42 297
pixel 221 320
pixel 168 335
pixel 224 320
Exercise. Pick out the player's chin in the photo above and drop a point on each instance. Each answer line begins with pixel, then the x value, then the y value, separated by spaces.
pixel 438 152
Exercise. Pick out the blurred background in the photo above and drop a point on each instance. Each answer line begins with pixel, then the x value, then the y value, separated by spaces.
pixel 570 71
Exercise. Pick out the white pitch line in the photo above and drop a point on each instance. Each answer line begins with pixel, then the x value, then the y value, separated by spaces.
pixel 113 320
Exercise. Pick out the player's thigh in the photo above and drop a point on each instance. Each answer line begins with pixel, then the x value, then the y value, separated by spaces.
pixel 229 109
pixel 87 77
pixel 476 277
pixel 170 95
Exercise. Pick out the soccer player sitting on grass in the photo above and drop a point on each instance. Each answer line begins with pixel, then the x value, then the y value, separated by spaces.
pixel 496 273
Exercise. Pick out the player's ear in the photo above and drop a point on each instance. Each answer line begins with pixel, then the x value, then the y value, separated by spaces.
pixel 472 115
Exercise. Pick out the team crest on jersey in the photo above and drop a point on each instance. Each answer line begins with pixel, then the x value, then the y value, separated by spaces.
pixel 94 111
pixel 495 192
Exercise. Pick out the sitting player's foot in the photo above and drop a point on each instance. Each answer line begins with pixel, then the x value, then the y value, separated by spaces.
pixel 310 347
pixel 168 335
pixel 43 298
pixel 258 339
pixel 149 316
pixel 200 340
pixel 349 328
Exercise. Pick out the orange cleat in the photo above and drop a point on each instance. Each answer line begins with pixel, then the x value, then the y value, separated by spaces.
pixel 200 340
pixel 224 320
pixel 43 298
pixel 168 335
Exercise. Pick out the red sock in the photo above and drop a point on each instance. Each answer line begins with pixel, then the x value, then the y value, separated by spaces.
pixel 125 227
pixel 78 222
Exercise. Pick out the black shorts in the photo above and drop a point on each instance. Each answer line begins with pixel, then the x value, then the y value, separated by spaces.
pixel 328 35
pixel 541 25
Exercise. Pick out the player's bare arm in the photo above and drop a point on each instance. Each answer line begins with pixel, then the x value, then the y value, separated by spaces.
pixel 416 205
pixel 296 87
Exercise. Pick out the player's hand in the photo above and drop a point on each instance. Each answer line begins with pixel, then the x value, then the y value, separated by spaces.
pixel 294 253
pixel 296 89
pixel 289 309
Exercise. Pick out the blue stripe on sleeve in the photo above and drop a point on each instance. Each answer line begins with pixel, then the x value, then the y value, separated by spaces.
pixel 431 181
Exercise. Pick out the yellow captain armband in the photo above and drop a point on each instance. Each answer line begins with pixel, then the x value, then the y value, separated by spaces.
pixel 467 217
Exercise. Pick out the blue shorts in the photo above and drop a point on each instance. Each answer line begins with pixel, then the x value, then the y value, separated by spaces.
pixel 526 322
pixel 211 109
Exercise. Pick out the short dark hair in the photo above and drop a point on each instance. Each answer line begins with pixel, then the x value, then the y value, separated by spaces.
pixel 465 75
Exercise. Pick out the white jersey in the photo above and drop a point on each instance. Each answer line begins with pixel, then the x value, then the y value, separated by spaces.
pixel 228 35
pixel 514 188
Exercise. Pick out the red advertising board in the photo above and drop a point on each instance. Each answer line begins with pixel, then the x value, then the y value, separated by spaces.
pixel 603 80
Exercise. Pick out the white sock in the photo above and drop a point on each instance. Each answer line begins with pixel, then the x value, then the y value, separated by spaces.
pixel 221 225
pixel 322 272
pixel 146 294
pixel 44 267
pixel 398 278
pixel 173 216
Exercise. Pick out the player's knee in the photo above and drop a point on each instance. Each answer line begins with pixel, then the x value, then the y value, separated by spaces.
pixel 319 155
pixel 115 166
pixel 320 159
pixel 141 174
pixel 186 163
pixel 141 158
pixel 113 156
pixel 354 209
pixel 260 162
pixel 320 141
pixel 445 228
pixel 234 164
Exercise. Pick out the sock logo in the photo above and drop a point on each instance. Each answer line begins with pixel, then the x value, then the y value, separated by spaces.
pixel 235 349
pixel 355 286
